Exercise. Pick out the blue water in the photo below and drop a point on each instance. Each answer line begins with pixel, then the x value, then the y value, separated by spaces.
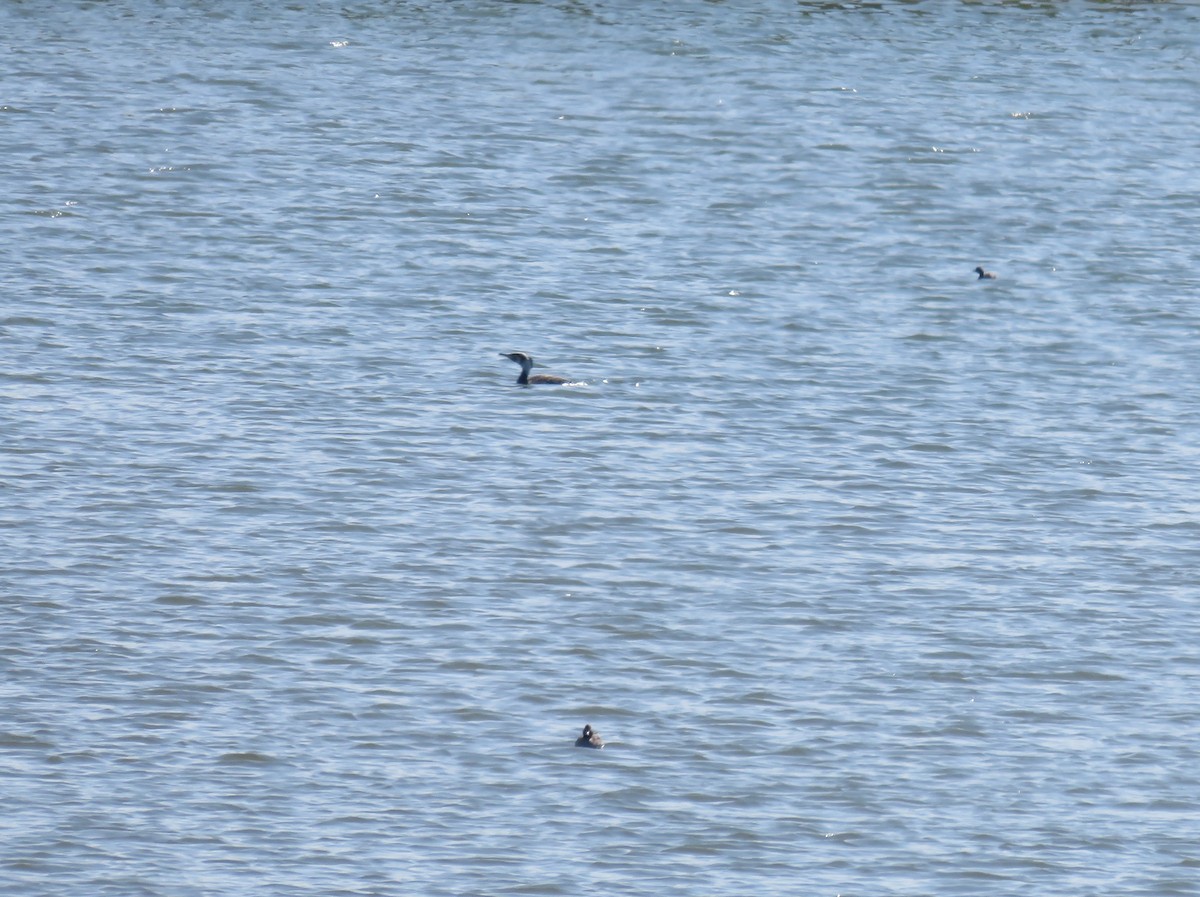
pixel 877 579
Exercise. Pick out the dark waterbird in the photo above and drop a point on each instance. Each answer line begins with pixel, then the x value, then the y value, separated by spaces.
pixel 590 738
pixel 526 362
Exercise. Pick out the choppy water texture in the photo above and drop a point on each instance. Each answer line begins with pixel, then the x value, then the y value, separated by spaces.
pixel 877 579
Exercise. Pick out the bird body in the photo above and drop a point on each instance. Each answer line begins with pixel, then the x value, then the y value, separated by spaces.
pixel 526 362
pixel 589 739
pixel 985 275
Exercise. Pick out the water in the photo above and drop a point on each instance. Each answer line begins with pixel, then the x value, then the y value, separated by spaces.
pixel 877 579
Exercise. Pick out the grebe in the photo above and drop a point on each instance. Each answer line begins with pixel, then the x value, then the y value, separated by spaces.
pixel 526 362
pixel 589 738
pixel 985 275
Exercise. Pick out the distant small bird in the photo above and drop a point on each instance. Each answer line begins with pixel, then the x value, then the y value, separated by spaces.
pixel 590 738
pixel 985 275
pixel 526 362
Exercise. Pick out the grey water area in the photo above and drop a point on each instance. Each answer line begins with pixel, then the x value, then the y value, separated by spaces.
pixel 876 578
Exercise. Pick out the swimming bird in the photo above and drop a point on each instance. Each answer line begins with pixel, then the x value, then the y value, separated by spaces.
pixel 590 738
pixel 526 362
pixel 985 275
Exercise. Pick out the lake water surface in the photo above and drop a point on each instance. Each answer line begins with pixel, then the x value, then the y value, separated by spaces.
pixel 877 578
